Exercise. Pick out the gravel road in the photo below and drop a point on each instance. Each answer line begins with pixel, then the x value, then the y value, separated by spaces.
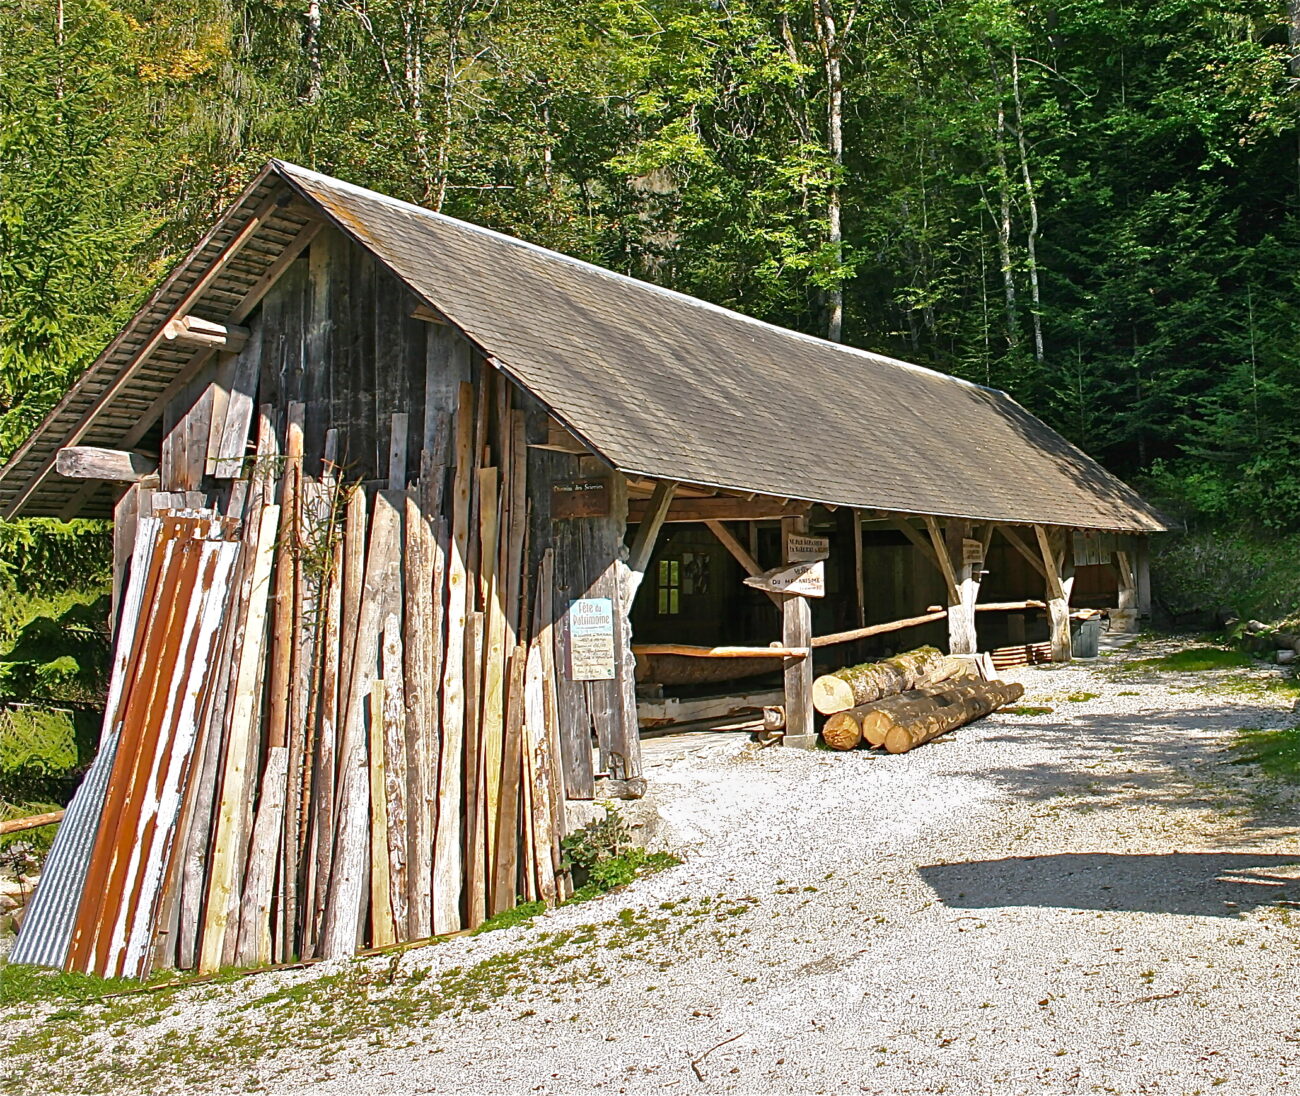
pixel 1092 899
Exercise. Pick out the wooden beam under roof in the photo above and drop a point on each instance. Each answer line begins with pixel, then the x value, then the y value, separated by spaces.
pixel 722 508
pixel 89 462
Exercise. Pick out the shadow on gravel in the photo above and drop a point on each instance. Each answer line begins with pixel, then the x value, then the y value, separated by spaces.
pixel 1114 761
pixel 1208 884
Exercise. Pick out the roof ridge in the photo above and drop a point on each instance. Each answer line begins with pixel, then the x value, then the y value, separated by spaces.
pixel 604 271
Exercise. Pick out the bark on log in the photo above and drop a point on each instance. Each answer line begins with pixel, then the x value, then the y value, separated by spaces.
pixel 867 724
pixel 685 670
pixel 870 681
pixel 912 732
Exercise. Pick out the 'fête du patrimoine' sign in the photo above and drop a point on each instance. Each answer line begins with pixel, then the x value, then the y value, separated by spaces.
pixel 591 639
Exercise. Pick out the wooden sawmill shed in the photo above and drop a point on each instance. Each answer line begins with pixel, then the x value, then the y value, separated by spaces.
pixel 392 494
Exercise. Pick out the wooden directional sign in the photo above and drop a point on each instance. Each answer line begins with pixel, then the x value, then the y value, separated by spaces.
pixel 580 499
pixel 972 552
pixel 807 578
pixel 800 548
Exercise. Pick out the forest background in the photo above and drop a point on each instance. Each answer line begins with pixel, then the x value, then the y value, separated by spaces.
pixel 1094 205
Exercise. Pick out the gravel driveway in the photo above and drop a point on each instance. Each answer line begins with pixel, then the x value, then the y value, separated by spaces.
pixel 1087 900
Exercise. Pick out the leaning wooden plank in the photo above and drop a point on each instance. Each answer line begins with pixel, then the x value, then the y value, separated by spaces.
pixel 397 452
pixel 381 909
pixel 506 858
pixel 155 887
pixel 421 743
pixel 494 654
pixel 321 837
pixel 447 864
pixel 538 750
pixel 351 851
pixel 233 446
pixel 477 881
pixel 235 775
pixel 255 913
pixel 393 736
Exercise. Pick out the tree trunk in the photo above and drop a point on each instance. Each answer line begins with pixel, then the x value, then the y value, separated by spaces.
pixel 685 670
pixel 868 723
pixel 870 681
pixel 911 731
pixel 1031 237
pixel 829 36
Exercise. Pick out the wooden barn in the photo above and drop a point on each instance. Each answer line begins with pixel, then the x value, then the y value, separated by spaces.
pixel 418 526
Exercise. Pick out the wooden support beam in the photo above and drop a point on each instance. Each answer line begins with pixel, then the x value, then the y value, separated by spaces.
pixel 31 822
pixel 643 544
pixel 796 633
pixel 115 465
pixel 190 330
pixel 918 542
pixel 943 559
pixel 721 508
pixel 1058 598
pixel 961 607
pixel 1143 562
pixel 428 314
pixel 740 554
pixel 1125 617
pixel 859 571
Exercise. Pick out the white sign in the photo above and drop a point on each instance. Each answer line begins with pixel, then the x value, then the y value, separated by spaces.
pixel 799 548
pixel 591 639
pixel 972 552
pixel 807 579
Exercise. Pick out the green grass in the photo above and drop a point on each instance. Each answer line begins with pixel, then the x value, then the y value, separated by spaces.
pixel 1194 660
pixel 1276 752
pixel 21 984
pixel 1027 709
pixel 1082 698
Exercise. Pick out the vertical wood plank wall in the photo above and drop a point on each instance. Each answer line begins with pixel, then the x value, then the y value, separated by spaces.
pixel 336 333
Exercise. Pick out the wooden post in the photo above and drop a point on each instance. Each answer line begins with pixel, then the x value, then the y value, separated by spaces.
pixel 796 631
pixel 1126 614
pixel 859 571
pixel 961 609
pixel 1058 598
pixel 643 544
pixel 1143 561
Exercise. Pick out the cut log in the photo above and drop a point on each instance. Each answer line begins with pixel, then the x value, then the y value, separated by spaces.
pixel 868 724
pixel 984 699
pixel 90 462
pixel 870 681
pixel 688 670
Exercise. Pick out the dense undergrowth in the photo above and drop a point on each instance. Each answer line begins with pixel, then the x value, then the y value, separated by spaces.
pixel 1198 576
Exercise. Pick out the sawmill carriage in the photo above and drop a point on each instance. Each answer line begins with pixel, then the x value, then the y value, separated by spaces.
pixel 416 526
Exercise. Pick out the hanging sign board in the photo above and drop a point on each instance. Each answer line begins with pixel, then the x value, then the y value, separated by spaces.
pixel 580 499
pixel 807 579
pixel 972 552
pixel 591 639
pixel 800 548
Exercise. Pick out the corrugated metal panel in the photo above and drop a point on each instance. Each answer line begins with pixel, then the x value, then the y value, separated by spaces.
pixel 47 929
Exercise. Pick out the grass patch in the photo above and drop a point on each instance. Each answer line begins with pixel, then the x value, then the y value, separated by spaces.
pixel 22 985
pixel 1195 660
pixel 1082 698
pixel 1276 752
pixel 1027 709
pixel 521 914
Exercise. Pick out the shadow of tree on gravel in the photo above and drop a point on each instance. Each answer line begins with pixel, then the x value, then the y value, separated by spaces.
pixel 1201 884
pixel 1116 761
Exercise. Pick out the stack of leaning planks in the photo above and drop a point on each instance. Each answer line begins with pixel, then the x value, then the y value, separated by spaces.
pixel 331 722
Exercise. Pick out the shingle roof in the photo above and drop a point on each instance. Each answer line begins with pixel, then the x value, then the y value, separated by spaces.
pixel 665 385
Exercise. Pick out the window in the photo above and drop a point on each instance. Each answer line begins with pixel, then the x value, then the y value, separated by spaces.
pixel 670 587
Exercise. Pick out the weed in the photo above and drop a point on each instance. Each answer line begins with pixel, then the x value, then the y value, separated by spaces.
pixel 1276 752
pixel 1028 709
pixel 1194 660
pixel 1082 698
pixel 521 914
pixel 602 857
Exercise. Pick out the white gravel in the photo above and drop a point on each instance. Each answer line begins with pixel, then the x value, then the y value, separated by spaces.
pixel 1091 900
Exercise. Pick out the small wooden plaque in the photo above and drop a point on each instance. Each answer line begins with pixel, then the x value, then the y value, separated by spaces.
pixel 580 499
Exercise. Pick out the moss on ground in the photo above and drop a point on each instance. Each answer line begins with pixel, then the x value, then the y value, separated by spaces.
pixel 1194 660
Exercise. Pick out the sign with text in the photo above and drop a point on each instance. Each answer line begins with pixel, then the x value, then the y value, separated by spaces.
pixel 808 579
pixel 972 552
pixel 591 639
pixel 580 499
pixel 800 548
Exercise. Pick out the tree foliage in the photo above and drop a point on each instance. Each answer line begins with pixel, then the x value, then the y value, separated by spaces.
pixel 1092 205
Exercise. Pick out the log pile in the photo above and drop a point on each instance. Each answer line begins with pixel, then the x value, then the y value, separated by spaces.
pixel 331 723
pixel 903 721
pixel 870 681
